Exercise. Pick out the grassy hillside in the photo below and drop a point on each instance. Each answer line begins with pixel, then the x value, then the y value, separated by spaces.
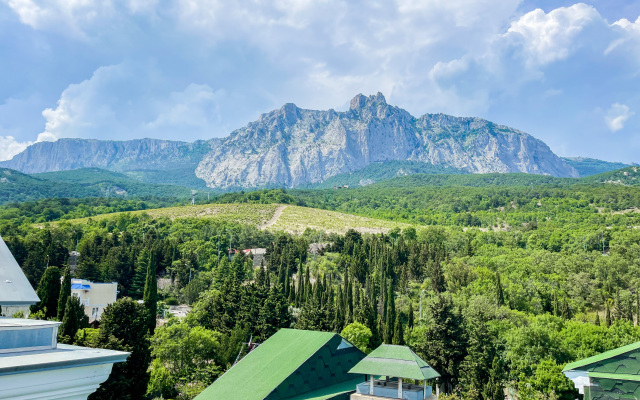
pixel 591 166
pixel 629 176
pixel 273 217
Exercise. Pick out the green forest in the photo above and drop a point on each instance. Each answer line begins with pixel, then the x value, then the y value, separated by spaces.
pixel 498 282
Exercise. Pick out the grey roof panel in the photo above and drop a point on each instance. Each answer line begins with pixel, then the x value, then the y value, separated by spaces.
pixel 15 289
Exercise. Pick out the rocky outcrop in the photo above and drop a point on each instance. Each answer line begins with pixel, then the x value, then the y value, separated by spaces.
pixel 292 146
pixel 138 154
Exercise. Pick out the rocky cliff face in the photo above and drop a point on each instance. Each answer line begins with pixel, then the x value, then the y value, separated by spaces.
pixel 139 154
pixel 292 146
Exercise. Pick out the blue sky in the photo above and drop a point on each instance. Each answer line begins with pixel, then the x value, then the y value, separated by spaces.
pixel 567 73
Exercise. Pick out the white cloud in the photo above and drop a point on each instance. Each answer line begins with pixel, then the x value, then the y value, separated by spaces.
pixel 69 17
pixel 9 146
pixel 617 115
pixel 197 108
pixel 200 68
pixel 629 36
pixel 118 101
pixel 549 37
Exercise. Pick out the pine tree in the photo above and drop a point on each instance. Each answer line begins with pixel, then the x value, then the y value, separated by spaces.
pixel 48 292
pixel 151 293
pixel 123 326
pixel 444 347
pixel 74 320
pixel 274 314
pixel 65 292
pixel 88 269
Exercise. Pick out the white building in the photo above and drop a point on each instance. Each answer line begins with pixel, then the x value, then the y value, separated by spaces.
pixel 94 296
pixel 32 364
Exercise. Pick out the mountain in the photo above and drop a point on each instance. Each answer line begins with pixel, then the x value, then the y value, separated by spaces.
pixel 295 147
pixel 148 160
pixel 291 146
pixel 88 182
pixel 591 166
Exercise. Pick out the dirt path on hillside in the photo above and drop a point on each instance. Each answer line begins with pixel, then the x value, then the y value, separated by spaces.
pixel 274 219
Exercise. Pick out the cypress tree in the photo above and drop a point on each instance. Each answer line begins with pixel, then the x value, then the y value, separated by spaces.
pixel 398 333
pixel 260 278
pixel 391 316
pixel 637 307
pixel 286 287
pixel 410 321
pixel 307 285
pixel 139 275
pixel 300 293
pixel 494 389
pixel 597 322
pixel 499 291
pixel 48 292
pixel 151 294
pixel 65 292
pixel 607 320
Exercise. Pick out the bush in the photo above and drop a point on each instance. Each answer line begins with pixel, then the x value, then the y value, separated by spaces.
pixel 171 301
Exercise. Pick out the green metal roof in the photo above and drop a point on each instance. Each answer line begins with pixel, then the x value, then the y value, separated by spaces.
pixel 601 357
pixel 395 361
pixel 289 363
pixel 621 377
pixel 331 392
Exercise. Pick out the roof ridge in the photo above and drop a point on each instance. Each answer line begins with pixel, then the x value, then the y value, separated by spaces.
pixel 602 356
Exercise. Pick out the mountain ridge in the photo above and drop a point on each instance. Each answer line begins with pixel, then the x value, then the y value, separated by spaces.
pixel 291 147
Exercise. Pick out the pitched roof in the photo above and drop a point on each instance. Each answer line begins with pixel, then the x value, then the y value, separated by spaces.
pixel 332 391
pixel 395 361
pixel 15 289
pixel 586 362
pixel 277 368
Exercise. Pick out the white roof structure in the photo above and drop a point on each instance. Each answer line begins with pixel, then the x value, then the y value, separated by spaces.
pixel 32 363
pixel 15 289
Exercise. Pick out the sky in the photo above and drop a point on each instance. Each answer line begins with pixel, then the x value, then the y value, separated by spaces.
pixel 567 73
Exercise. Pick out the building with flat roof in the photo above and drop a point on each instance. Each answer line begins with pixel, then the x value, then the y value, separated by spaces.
pixel 32 364
pixel 294 365
pixel 612 375
pixel 94 296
